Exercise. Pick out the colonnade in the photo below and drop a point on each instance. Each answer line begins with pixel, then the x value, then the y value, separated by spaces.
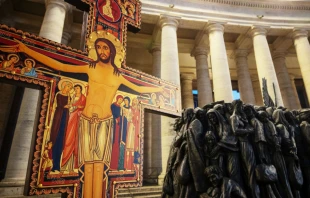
pixel 270 65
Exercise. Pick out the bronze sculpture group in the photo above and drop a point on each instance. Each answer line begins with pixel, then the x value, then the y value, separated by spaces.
pixel 239 150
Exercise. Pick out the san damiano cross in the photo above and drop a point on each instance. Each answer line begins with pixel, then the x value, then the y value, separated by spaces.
pixel 90 132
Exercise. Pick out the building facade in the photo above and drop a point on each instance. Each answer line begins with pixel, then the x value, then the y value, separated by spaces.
pixel 212 46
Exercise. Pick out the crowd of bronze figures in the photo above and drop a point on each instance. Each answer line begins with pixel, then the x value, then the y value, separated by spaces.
pixel 239 150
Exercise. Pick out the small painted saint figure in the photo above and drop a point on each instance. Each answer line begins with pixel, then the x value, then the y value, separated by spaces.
pixel 132 139
pixel 9 64
pixel 70 152
pixel 47 157
pixel 117 123
pixel 126 111
pixel 29 70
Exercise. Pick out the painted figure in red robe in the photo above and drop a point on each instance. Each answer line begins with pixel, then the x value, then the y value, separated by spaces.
pixel 70 153
pixel 9 64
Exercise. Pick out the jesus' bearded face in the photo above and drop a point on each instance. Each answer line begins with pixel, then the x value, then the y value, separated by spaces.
pixel 103 51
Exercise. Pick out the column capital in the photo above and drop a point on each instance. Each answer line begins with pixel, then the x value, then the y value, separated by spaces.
pixel 166 20
pixel 299 33
pixel 61 3
pixel 187 76
pixel 199 51
pixel 258 30
pixel 279 54
pixel 241 53
pixel 155 48
pixel 215 27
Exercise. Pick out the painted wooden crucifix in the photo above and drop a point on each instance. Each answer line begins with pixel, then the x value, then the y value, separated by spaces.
pixel 89 140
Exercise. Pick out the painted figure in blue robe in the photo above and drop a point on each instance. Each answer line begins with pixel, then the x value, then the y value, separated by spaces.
pixel 126 112
pixel 29 70
pixel 136 160
pixel 153 99
pixel 136 157
pixel 60 121
pixel 117 124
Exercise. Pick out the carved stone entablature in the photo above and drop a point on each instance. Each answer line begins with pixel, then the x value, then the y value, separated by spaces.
pixel 259 4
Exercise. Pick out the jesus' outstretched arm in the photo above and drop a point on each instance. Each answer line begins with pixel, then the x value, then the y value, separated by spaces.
pixel 140 89
pixel 20 47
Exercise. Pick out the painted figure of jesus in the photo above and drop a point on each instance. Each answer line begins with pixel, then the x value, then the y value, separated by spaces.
pixel 95 124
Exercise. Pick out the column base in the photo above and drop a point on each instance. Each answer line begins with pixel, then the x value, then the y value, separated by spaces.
pixel 161 179
pixel 12 182
pixel 12 187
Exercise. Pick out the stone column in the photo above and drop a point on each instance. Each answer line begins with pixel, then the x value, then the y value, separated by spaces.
pixel 205 95
pixel 54 18
pixel 147 156
pixel 170 71
pixel 303 50
pixel 19 155
pixel 244 78
pixel 257 91
pixel 292 77
pixel 187 90
pixel 169 50
pixel 265 67
pixel 154 150
pixel 67 30
pixel 156 61
pixel 284 80
pixel 220 70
